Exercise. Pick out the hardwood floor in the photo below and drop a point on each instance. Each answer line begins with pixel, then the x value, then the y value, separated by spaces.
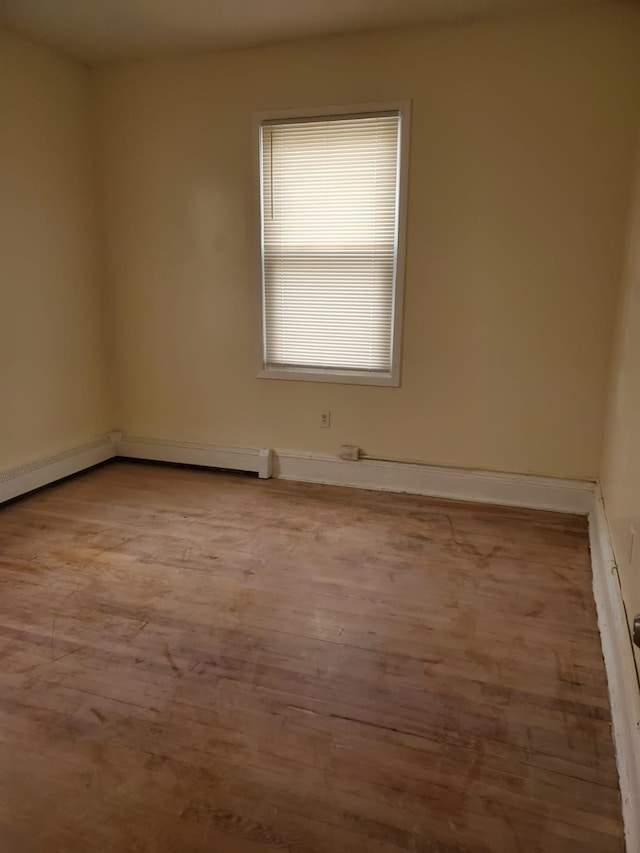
pixel 197 661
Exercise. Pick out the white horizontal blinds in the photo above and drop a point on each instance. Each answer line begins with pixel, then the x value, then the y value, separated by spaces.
pixel 329 205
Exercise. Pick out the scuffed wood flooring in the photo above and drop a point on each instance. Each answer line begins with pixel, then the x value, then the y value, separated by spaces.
pixel 194 661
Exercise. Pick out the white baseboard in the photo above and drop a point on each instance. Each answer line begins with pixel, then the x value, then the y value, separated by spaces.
pixel 617 650
pixel 25 478
pixel 191 453
pixel 523 490
pixel 575 496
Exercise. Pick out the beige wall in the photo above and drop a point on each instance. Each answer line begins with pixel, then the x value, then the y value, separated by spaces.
pixel 53 377
pixel 620 476
pixel 522 143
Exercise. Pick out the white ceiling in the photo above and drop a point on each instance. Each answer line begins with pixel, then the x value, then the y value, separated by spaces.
pixel 104 30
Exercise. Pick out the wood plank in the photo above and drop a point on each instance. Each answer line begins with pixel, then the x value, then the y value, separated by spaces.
pixel 201 661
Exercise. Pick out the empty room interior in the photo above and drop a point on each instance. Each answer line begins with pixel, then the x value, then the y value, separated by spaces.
pixel 320 426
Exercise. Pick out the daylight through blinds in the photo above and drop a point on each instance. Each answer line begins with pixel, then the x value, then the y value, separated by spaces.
pixel 329 214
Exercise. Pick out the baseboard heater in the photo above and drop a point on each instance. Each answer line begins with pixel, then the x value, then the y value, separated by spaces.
pixel 257 460
pixel 22 479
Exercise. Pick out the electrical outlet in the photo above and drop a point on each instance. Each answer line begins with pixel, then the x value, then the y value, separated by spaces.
pixel 350 451
pixel 325 420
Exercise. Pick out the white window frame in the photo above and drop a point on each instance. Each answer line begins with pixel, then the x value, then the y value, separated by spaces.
pixel 357 377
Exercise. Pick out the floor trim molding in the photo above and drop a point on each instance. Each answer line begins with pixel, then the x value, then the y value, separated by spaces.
pixel 253 459
pixel 624 693
pixel 523 490
pixel 22 479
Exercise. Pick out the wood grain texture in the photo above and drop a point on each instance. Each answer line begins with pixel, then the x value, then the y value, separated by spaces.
pixel 197 661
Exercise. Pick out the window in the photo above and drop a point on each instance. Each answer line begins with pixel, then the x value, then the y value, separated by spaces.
pixel 331 188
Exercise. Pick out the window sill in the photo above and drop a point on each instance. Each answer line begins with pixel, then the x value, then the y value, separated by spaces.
pixel 348 377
